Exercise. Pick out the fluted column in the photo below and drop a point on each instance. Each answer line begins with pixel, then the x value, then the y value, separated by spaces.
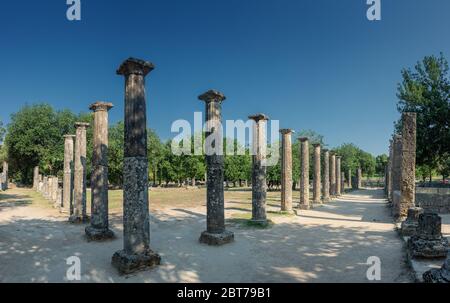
pixel 79 214
pixel 332 174
pixel 99 228
pixel 259 184
pixel 36 178
pixel 317 175
pixel 286 170
pixel 304 175
pixel 338 176
pixel 326 176
pixel 67 206
pixel 215 233
pixel 136 253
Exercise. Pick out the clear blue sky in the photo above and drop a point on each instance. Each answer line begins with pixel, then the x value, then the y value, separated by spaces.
pixel 312 64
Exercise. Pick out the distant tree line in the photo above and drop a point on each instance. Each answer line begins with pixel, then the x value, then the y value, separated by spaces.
pixel 34 137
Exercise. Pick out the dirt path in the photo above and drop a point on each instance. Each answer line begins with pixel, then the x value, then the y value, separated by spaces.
pixel 328 244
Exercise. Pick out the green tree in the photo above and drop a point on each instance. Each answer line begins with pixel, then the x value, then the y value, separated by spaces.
pixel 426 90
pixel 115 154
pixel 380 166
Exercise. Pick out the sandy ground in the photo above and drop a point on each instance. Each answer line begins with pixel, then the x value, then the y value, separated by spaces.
pixel 330 243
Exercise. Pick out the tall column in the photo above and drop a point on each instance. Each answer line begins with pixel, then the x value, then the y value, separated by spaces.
pixel 396 175
pixel 79 214
pixel 67 206
pixel 5 175
pixel 99 228
pixel 286 170
pixel 304 174
pixel 326 176
pixel 359 177
pixel 408 164
pixel 54 197
pixel 215 233
pixel 136 253
pixel 317 175
pixel 338 176
pixel 259 184
pixel 332 174
pixel 390 167
pixel 36 178
pixel 45 187
pixel 342 183
pixel 349 178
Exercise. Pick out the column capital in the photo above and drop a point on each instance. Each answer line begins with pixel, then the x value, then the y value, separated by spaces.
pixel 212 96
pixel 136 67
pixel 286 131
pixel 303 139
pixel 101 106
pixel 325 150
pixel 259 117
pixel 81 125
pixel 317 145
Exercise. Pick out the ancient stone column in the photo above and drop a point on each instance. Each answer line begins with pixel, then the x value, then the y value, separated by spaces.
pixel 338 176
pixel 79 214
pixel 410 225
pixel 304 174
pixel 45 187
pixel 67 206
pixel 408 164
pixel 215 233
pixel 332 174
pixel 259 184
pixel 317 198
pixel 390 167
pixel 36 178
pixel 396 175
pixel 99 227
pixel 5 175
pixel 286 170
pixel 359 177
pixel 326 176
pixel 441 275
pixel 342 183
pixel 136 253
pixel 54 195
pixel 349 178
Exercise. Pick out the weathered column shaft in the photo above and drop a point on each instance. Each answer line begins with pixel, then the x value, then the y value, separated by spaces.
pixel 215 233
pixel 286 170
pixel 408 164
pixel 349 178
pixel 332 174
pixel 99 228
pixel 396 175
pixel 136 218
pixel 317 175
pixel 259 184
pixel 36 178
pixel 326 176
pixel 5 175
pixel 68 174
pixel 338 176
pixel 304 174
pixel 359 178
pixel 390 170
pixel 79 193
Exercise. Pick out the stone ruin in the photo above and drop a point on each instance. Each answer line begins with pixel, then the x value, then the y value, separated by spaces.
pixel 428 241
pixel 410 225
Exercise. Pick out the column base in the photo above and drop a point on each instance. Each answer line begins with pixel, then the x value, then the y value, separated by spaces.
pixel 441 275
pixel 79 219
pixel 287 212
pixel 129 263
pixel 96 234
pixel 326 200
pixel 224 237
pixel 318 202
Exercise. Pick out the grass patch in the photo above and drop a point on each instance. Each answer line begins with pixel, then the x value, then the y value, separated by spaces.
pixel 244 220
